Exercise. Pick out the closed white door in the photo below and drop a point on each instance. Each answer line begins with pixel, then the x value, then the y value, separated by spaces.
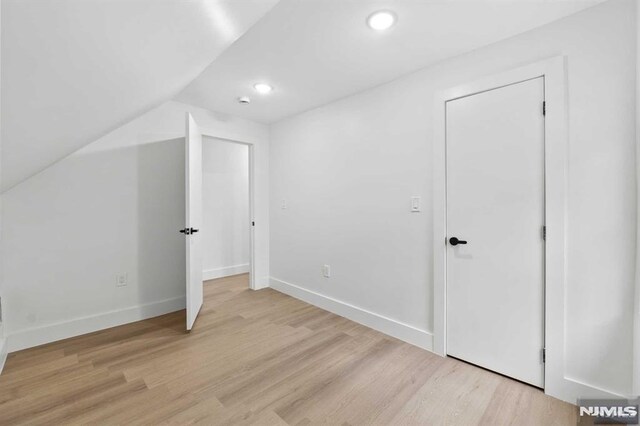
pixel 495 209
pixel 193 179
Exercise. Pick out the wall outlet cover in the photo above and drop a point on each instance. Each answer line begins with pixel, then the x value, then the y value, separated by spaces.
pixel 121 280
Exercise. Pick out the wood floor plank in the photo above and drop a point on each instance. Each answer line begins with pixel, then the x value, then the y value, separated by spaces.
pixel 258 358
pixel 457 393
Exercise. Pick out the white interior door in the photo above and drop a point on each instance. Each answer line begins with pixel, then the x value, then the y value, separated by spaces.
pixel 193 166
pixel 495 203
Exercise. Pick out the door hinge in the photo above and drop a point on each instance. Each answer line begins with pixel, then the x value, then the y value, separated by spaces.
pixel 544 108
pixel 544 355
pixel 544 233
pixel 253 224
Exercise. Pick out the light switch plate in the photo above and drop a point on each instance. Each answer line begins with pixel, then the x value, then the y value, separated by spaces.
pixel 415 204
pixel 326 271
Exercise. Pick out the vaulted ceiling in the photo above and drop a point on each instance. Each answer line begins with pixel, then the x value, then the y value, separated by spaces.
pixel 317 51
pixel 72 70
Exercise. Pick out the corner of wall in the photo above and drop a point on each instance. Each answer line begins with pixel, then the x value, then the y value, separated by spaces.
pixel 262 282
pixel 3 349
pixel 636 318
pixel 227 271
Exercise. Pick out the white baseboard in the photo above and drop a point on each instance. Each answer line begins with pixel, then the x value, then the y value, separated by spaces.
pixel 76 327
pixel 397 329
pixel 570 390
pixel 212 274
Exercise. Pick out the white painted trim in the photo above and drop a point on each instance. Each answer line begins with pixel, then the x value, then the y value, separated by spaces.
pixel 636 316
pixel 391 327
pixel 253 284
pixel 79 326
pixel 3 353
pixel 556 146
pixel 262 282
pixel 227 271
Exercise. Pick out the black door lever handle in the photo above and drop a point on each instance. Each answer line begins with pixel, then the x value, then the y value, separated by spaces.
pixel 189 231
pixel 454 241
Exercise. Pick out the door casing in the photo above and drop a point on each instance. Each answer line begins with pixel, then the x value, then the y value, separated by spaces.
pixel 206 133
pixel 555 164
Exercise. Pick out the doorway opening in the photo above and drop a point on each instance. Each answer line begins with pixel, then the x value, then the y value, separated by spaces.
pixel 194 231
pixel 226 208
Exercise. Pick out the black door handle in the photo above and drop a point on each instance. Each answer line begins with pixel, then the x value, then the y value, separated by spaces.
pixel 189 231
pixel 454 241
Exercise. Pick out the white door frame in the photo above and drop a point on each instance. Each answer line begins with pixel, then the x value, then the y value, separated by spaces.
pixel 252 246
pixel 555 164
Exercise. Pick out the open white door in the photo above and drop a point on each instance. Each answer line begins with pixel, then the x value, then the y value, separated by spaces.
pixel 193 179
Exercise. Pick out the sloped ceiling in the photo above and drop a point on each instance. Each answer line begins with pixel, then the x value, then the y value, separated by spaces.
pixel 317 51
pixel 72 70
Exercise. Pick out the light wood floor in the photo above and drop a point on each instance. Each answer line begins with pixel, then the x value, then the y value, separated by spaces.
pixel 259 358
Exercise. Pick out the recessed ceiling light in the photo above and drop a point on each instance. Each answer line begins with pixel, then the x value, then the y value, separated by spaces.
pixel 263 88
pixel 381 20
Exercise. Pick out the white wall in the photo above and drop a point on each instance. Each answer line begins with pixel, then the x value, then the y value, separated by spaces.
pixel 347 171
pixel 114 206
pixel 225 227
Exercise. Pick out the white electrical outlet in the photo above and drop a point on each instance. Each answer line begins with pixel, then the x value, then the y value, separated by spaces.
pixel 326 271
pixel 283 204
pixel 121 279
